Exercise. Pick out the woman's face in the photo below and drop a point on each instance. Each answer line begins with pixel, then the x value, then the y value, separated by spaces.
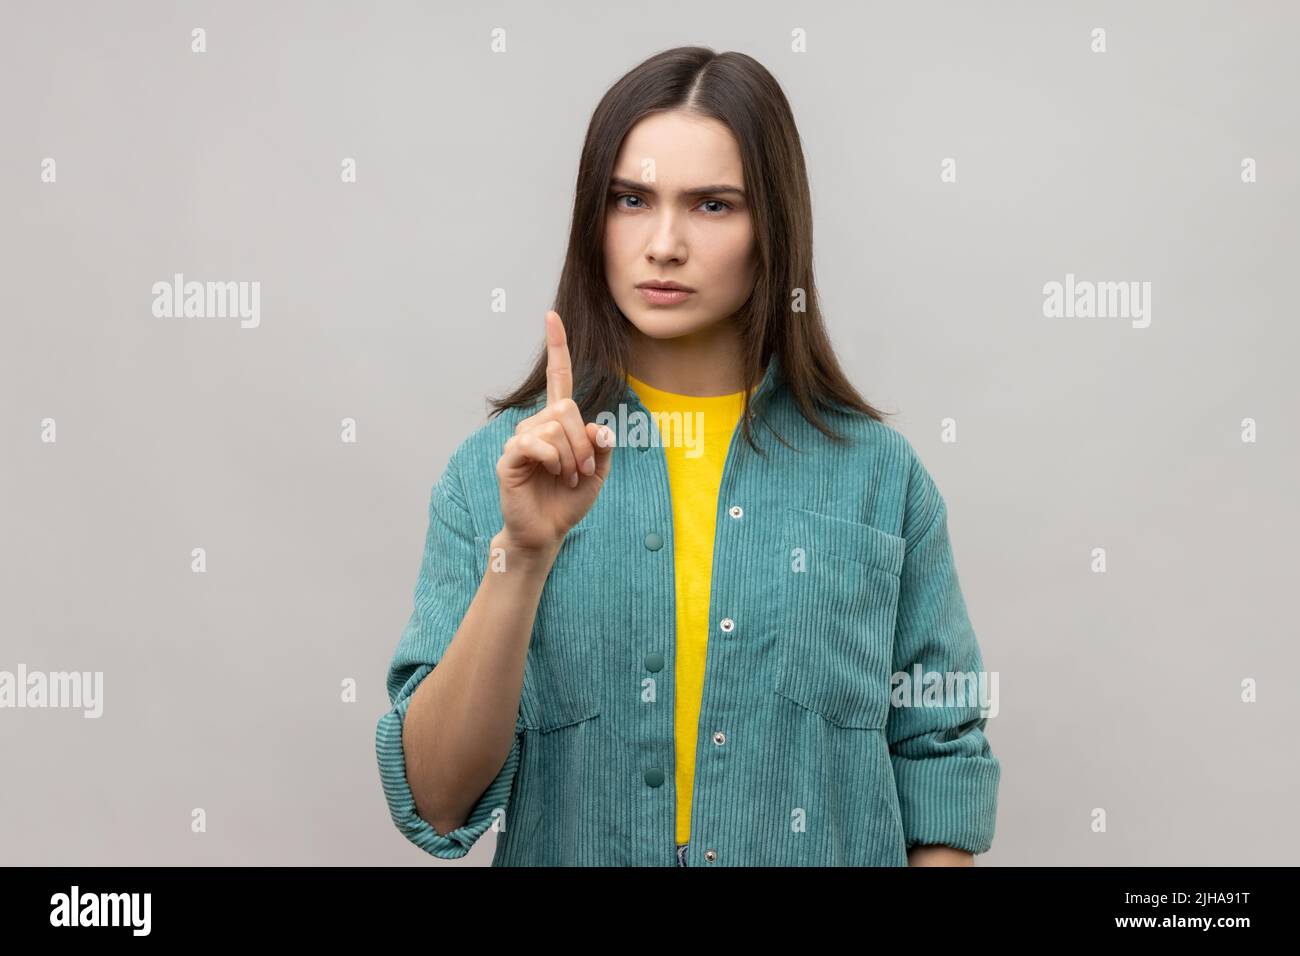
pixel 669 218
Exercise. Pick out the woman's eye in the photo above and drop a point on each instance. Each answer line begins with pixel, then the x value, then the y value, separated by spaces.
pixel 713 212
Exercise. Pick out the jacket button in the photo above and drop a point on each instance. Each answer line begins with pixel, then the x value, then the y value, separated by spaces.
pixel 654 662
pixel 710 855
pixel 654 541
pixel 735 511
pixel 727 625
pixel 654 777
pixel 719 738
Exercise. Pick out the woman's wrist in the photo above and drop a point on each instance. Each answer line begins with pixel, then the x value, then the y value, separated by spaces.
pixel 938 855
pixel 506 553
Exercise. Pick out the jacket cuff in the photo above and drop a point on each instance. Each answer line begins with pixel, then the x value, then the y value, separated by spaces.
pixel 401 804
pixel 950 801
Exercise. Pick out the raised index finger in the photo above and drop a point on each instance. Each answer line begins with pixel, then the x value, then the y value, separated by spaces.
pixel 559 373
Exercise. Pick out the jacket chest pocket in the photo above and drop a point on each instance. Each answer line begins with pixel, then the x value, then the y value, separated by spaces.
pixel 571 631
pixel 839 595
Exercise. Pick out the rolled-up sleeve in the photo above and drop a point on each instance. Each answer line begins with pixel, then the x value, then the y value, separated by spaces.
pixel 449 577
pixel 944 768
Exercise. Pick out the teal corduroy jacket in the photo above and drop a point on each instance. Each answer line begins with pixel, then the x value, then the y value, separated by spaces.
pixel 832 572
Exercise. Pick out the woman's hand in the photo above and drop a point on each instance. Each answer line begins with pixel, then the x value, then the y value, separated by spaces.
pixel 553 467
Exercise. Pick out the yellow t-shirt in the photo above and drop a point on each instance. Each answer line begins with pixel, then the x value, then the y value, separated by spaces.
pixel 695 450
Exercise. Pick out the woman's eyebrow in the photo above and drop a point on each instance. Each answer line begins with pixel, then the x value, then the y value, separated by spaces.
pixel 620 183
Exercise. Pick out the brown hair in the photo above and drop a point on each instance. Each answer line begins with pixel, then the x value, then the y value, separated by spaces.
pixel 739 92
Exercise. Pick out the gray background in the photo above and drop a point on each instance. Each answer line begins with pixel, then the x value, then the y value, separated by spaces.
pixel 1118 691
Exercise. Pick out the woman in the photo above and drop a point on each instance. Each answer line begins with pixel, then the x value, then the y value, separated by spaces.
pixel 667 588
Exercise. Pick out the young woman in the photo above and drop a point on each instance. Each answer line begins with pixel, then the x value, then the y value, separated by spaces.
pixel 671 589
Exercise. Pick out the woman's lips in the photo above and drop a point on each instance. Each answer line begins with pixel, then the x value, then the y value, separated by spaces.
pixel 663 296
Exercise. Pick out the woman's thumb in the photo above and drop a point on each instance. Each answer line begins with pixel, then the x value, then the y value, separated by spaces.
pixel 602 437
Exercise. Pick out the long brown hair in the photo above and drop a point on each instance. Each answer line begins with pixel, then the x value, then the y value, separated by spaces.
pixel 739 92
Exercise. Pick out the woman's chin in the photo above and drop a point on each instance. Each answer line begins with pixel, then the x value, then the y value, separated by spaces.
pixel 665 323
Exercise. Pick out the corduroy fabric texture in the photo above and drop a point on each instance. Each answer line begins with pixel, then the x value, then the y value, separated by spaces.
pixel 695 469
pixel 833 570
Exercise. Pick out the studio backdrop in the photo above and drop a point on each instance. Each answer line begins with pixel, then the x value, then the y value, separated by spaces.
pixel 1058 240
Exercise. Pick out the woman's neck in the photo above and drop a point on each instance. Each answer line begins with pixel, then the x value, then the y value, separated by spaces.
pixel 701 364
